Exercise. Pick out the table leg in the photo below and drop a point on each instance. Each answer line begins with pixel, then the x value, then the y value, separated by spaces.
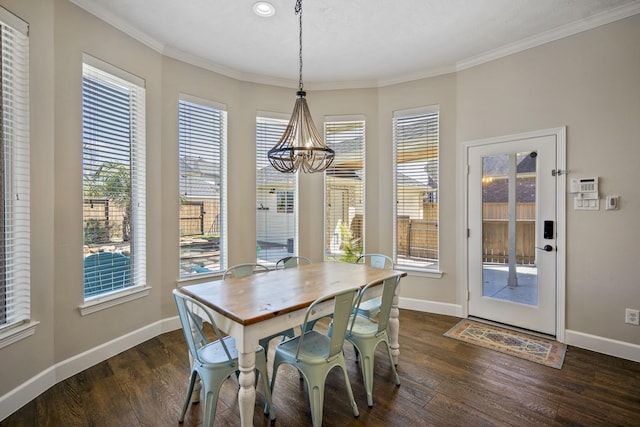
pixel 394 326
pixel 247 392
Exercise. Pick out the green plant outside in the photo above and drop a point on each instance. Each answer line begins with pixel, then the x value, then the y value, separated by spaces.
pixel 112 181
pixel 352 248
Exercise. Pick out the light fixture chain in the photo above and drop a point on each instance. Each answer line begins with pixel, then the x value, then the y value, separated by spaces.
pixel 298 11
pixel 301 147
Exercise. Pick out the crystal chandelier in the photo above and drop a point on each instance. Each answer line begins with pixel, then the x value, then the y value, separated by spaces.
pixel 301 147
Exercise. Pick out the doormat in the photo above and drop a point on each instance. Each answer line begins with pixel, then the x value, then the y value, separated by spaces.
pixel 540 350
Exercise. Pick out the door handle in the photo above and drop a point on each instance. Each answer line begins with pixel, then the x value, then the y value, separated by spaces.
pixel 546 248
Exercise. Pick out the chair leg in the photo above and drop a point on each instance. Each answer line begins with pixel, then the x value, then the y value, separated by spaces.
pixel 396 378
pixel 366 363
pixel 261 369
pixel 211 400
pixel 192 382
pixel 274 371
pixel 347 384
pixel 316 401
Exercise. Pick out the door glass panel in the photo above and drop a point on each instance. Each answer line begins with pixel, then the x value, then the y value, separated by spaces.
pixel 509 270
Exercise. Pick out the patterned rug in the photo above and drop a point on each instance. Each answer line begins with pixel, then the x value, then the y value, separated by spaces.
pixel 540 350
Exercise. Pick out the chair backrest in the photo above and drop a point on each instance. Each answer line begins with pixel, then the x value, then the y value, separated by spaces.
pixel 376 260
pixel 292 261
pixel 342 307
pixel 241 270
pixel 389 286
pixel 192 325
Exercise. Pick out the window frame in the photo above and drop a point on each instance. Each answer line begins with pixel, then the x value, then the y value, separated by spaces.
pixel 138 286
pixel 15 293
pixel 432 270
pixel 351 253
pixel 272 188
pixel 222 219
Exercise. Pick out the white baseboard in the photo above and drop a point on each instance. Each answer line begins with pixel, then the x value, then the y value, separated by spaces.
pixel 26 392
pixel 621 349
pixel 431 306
pixel 29 390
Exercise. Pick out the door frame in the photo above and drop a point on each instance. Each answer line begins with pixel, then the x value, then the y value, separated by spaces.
pixel 463 218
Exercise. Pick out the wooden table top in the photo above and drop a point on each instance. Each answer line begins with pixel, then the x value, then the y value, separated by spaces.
pixel 251 299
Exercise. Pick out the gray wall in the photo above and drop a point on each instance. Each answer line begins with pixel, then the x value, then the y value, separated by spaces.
pixel 589 82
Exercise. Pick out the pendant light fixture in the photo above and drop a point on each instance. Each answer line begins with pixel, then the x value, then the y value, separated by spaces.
pixel 301 147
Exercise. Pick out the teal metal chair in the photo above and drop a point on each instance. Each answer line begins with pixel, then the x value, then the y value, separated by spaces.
pixel 292 262
pixel 371 307
pixel 247 269
pixel 213 361
pixel 365 334
pixel 315 354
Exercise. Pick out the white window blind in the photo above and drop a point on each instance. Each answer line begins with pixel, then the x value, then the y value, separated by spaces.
pixel 345 188
pixel 276 196
pixel 14 179
pixel 416 139
pixel 113 162
pixel 202 136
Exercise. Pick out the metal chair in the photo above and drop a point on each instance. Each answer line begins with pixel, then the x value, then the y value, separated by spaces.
pixel 315 354
pixel 212 361
pixel 370 308
pixel 241 270
pixel 365 334
pixel 292 261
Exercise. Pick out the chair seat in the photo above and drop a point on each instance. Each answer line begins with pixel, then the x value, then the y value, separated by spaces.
pixel 313 351
pixel 214 354
pixel 370 308
pixel 362 326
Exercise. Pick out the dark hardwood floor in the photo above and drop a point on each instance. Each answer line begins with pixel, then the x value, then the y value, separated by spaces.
pixel 444 383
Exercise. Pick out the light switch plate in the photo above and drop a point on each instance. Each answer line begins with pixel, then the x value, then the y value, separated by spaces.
pixel 580 204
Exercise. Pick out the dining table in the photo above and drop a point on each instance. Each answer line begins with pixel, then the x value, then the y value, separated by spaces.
pixel 256 306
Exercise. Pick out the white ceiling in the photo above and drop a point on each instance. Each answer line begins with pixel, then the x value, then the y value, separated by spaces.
pixel 351 43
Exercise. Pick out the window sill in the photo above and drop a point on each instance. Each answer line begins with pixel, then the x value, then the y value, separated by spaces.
pixel 111 300
pixel 16 333
pixel 419 272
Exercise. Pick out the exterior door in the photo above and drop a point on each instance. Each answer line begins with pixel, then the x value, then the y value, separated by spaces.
pixel 512 232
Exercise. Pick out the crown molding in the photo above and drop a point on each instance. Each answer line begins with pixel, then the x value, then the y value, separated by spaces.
pixel 509 49
pixel 117 22
pixel 198 61
pixel 552 35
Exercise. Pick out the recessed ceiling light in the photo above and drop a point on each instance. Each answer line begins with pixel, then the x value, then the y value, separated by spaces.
pixel 264 9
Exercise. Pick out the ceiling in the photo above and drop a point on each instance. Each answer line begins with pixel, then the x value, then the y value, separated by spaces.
pixel 354 43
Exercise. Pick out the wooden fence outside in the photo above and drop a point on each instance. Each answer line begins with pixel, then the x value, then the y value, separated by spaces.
pixel 495 233
pixel 102 221
pixel 418 238
pixel 199 218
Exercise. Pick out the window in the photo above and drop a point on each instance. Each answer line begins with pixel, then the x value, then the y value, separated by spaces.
pixel 14 177
pixel 277 211
pixel 113 168
pixel 344 188
pixel 416 139
pixel 202 138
